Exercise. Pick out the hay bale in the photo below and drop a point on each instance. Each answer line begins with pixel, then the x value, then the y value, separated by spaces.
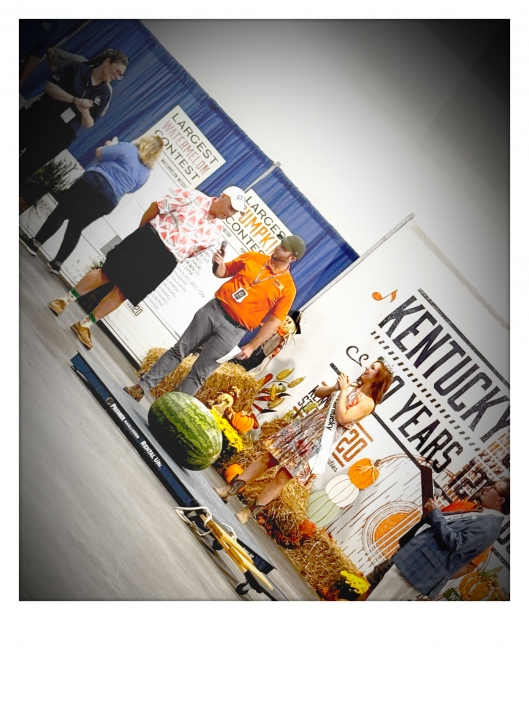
pixel 173 379
pixel 320 561
pixel 225 376
pixel 318 558
pixel 252 449
pixel 287 511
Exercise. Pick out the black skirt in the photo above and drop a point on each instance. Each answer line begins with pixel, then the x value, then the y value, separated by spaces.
pixel 139 264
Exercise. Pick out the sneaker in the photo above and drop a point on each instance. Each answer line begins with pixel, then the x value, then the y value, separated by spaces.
pixel 55 267
pixel 31 245
pixel 136 392
pixel 83 333
pixel 57 306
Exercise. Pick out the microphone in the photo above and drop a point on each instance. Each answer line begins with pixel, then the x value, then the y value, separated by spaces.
pixel 223 247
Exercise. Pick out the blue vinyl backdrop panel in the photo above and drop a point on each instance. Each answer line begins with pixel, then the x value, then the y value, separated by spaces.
pixel 154 84
pixel 327 252
pixel 327 255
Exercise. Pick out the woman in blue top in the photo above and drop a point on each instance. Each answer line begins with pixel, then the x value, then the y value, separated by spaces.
pixel 122 168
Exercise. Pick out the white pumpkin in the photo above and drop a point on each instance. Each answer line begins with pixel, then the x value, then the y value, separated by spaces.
pixel 341 491
pixel 321 510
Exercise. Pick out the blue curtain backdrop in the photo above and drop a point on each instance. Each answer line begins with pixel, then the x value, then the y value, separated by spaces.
pixel 327 255
pixel 327 252
pixel 154 84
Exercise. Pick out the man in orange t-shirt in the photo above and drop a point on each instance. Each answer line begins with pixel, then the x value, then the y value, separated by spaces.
pixel 260 287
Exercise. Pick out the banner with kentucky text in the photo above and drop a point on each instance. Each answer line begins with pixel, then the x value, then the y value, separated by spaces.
pixel 448 407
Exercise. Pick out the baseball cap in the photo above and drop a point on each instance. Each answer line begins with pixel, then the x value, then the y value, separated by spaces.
pixel 294 244
pixel 236 196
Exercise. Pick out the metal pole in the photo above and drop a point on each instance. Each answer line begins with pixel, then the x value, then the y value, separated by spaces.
pixel 359 260
pixel 263 175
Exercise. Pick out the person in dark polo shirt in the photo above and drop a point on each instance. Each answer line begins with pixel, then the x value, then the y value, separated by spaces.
pixel 75 96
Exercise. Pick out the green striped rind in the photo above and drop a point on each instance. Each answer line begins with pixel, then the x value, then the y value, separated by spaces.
pixel 187 430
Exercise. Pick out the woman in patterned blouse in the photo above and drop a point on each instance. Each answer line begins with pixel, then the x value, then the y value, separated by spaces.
pixel 292 446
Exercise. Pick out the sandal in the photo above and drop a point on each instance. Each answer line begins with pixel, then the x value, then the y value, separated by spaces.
pixel 229 490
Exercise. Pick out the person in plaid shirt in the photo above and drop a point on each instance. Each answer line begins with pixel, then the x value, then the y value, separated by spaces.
pixel 444 546
pixel 182 224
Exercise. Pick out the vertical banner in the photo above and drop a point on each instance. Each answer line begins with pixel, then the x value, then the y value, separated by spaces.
pixel 189 158
pixel 257 229
pixel 448 407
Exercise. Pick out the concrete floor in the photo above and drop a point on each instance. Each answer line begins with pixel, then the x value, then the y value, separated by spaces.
pixel 95 523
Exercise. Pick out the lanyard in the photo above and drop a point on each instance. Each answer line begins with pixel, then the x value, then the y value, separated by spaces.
pixel 260 281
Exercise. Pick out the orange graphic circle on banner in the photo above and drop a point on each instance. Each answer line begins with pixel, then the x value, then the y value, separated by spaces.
pixel 384 528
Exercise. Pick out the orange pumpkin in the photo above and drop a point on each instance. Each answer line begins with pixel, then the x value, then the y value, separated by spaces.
pixel 482 585
pixel 232 471
pixel 241 422
pixel 363 473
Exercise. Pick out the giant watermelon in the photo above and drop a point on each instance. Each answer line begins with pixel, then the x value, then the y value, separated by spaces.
pixel 186 429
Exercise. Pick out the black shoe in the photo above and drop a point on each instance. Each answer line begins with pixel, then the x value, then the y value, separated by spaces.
pixel 31 245
pixel 55 267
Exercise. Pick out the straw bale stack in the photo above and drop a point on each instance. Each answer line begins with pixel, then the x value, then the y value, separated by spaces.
pixel 320 561
pixel 225 376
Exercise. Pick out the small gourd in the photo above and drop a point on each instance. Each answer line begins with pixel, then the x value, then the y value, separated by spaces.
pixel 232 471
pixel 241 422
pixel 320 509
pixel 341 491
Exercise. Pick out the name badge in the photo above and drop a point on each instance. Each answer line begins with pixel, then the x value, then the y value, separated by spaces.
pixel 68 115
pixel 239 295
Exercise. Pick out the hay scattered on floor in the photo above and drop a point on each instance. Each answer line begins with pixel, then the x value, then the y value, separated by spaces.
pixel 226 376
